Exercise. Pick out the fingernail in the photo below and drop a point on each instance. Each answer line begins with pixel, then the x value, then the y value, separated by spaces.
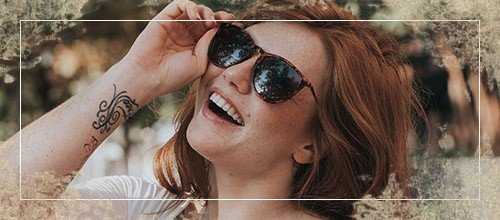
pixel 189 9
pixel 214 23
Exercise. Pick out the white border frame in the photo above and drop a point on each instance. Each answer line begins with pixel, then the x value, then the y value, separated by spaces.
pixel 378 199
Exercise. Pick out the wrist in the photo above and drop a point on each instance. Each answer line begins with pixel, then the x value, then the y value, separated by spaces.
pixel 143 85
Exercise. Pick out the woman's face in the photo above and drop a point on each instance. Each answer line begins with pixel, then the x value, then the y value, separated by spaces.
pixel 271 133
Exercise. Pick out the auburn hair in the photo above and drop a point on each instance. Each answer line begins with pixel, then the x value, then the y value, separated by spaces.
pixel 361 128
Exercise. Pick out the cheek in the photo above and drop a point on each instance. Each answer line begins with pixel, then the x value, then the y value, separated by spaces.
pixel 290 119
pixel 283 127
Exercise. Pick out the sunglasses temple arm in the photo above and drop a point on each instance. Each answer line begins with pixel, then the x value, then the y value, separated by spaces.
pixel 312 91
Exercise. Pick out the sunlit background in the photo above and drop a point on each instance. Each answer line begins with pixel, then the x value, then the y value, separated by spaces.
pixel 65 57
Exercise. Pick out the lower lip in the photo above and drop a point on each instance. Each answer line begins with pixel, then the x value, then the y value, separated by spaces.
pixel 213 117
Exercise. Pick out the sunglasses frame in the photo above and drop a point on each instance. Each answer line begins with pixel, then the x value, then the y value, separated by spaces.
pixel 263 54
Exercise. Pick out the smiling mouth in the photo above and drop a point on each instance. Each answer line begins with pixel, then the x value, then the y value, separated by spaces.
pixel 219 106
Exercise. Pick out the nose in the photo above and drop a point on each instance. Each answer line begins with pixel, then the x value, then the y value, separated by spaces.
pixel 239 75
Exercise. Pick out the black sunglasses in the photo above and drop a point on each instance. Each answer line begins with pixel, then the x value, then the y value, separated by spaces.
pixel 275 79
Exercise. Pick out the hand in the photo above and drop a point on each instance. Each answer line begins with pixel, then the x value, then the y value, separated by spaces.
pixel 174 53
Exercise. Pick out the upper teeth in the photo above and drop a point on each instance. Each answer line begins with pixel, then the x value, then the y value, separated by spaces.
pixel 222 103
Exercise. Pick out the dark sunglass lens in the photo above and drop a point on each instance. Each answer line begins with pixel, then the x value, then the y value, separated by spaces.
pixel 275 80
pixel 230 46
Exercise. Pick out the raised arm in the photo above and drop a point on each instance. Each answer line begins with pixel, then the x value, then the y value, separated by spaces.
pixel 165 56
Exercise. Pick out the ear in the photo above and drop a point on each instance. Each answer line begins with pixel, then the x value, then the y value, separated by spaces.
pixel 304 154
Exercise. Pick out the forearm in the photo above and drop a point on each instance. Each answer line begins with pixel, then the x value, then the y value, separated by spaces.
pixel 61 140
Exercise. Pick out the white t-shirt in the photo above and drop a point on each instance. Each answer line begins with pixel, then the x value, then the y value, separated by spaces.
pixel 123 188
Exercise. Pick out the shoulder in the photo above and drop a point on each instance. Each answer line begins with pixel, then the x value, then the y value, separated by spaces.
pixel 132 196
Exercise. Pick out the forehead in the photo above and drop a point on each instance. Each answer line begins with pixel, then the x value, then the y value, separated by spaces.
pixel 294 42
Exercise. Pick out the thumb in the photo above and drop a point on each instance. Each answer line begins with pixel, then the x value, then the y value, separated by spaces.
pixel 201 49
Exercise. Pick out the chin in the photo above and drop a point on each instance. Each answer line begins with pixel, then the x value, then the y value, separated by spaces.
pixel 205 141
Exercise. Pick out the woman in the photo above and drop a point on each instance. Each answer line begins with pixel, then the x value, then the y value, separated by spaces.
pixel 278 110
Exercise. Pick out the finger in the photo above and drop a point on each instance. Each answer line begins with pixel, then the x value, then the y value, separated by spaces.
pixel 184 17
pixel 189 14
pixel 201 49
pixel 207 14
pixel 199 28
pixel 194 28
pixel 173 10
pixel 222 15
pixel 192 13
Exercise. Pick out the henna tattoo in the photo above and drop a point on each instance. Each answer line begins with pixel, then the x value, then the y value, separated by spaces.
pixel 91 146
pixel 108 114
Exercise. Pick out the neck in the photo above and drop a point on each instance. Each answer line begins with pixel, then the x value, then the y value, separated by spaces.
pixel 272 184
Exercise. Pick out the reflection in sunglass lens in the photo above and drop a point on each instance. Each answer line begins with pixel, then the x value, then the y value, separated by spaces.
pixel 230 46
pixel 275 80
